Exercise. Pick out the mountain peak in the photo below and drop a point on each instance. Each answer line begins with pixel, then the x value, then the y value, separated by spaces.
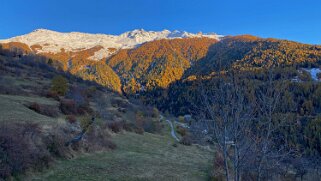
pixel 139 30
pixel 42 30
pixel 53 41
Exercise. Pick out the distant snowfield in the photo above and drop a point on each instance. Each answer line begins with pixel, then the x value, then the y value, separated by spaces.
pixel 52 41
pixel 313 72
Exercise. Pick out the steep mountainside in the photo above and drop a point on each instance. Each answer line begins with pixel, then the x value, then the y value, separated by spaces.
pixel 144 60
pixel 47 41
pixel 250 52
pixel 83 54
pixel 158 63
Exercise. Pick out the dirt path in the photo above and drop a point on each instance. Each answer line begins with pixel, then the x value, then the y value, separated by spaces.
pixel 172 130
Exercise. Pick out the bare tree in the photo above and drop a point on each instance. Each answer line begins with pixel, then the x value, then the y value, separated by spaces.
pixel 101 104
pixel 271 147
pixel 246 131
pixel 230 121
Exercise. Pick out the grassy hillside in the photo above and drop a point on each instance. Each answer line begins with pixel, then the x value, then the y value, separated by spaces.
pixel 13 109
pixel 36 123
pixel 137 157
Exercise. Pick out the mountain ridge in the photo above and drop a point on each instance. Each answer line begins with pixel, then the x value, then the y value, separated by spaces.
pixel 49 41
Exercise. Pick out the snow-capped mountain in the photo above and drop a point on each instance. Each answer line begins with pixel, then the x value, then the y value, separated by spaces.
pixel 54 42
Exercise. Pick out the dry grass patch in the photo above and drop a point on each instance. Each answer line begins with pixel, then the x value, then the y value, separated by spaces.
pixel 137 157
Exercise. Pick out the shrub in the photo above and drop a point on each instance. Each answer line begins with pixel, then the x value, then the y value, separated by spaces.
pixel 181 119
pixel 116 126
pixel 150 112
pixel 155 113
pixel 312 136
pixel 117 102
pixel 129 126
pixel 59 84
pixel 52 94
pixel 84 108
pixel 51 111
pixel 305 76
pixel 180 130
pixel 35 107
pixel 152 126
pixel 79 96
pixel 139 130
pixel 90 92
pixel 186 140
pixel 217 173
pixel 146 123
pixel 24 146
pixel 85 122
pixel 71 119
pixel 55 142
pixel 97 139
pixel 68 106
pixel 46 110
pixel 20 149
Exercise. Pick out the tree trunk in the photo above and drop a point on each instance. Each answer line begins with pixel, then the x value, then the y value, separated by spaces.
pixel 227 175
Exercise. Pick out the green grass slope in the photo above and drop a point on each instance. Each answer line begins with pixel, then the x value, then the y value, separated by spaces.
pixel 137 157
pixel 13 109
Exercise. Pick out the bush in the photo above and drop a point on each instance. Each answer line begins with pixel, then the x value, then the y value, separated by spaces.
pixel 152 126
pixel 97 139
pixel 24 146
pixel 79 96
pixel 46 110
pixel 71 119
pixel 139 130
pixel 117 102
pixel 20 149
pixel 35 107
pixel 155 113
pixel 180 130
pixel 132 127
pixel 181 119
pixel 149 111
pixel 55 142
pixel 52 94
pixel 68 106
pixel 116 126
pixel 217 173
pixel 84 108
pixel 50 111
pixel 86 122
pixel 90 92
pixel 129 126
pixel 186 140
pixel 305 76
pixel 59 84
pixel 312 132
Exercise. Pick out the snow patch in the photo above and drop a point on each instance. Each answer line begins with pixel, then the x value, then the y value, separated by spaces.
pixel 313 72
pixel 53 42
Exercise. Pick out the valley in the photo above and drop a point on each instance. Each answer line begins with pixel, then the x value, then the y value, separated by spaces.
pixel 166 105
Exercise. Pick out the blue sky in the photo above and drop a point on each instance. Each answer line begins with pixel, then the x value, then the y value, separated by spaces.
pixel 298 20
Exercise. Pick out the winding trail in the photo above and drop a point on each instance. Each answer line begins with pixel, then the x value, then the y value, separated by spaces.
pixel 172 130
